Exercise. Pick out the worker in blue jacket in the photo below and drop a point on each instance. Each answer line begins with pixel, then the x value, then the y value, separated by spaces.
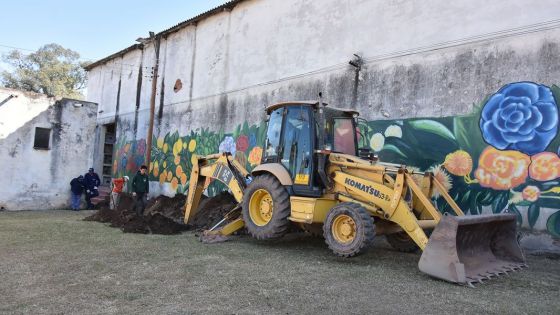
pixel 92 183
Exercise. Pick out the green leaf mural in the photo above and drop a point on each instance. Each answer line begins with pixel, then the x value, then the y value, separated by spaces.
pixel 533 214
pixel 500 202
pixel 434 127
pixel 513 209
pixel 553 224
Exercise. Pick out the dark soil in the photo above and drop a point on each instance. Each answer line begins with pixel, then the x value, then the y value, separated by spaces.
pixel 163 215
pixel 212 210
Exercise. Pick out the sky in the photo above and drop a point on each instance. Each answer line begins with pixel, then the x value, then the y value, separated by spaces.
pixel 95 29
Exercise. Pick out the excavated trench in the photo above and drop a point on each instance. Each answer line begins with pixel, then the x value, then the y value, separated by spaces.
pixel 163 215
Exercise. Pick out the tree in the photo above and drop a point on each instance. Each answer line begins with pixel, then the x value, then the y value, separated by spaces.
pixel 52 70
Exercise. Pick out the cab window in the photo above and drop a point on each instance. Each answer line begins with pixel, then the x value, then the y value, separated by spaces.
pixel 344 139
pixel 273 133
pixel 296 144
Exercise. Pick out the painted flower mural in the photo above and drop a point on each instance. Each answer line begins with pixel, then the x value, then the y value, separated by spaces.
pixel 228 145
pixel 521 116
pixel 502 170
pixel 377 141
pixel 487 161
pixel 441 176
pixel 531 193
pixel 172 154
pixel 192 145
pixel 255 156
pixel 458 163
pixel 242 143
pixel 545 166
pixel 503 157
pixel 393 131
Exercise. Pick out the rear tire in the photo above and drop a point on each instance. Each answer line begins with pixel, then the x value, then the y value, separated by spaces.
pixel 348 229
pixel 266 208
pixel 402 242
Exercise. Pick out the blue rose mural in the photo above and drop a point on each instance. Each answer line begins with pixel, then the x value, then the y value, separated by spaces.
pixel 521 116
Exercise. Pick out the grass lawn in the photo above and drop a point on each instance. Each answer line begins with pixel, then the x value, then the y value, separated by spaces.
pixel 53 262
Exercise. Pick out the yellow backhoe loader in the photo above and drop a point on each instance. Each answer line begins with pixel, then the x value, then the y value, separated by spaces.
pixel 313 174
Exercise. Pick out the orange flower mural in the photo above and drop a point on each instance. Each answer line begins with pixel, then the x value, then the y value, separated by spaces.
pixel 502 170
pixel 544 166
pixel 531 193
pixel 155 168
pixel 458 163
pixel 255 156
pixel 183 179
pixel 174 183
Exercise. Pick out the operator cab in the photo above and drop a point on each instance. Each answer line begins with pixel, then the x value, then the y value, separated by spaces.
pixel 293 137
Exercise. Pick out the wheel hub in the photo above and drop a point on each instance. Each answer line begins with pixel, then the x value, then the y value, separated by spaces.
pixel 261 207
pixel 344 229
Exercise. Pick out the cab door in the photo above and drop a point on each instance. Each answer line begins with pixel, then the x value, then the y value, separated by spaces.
pixel 296 149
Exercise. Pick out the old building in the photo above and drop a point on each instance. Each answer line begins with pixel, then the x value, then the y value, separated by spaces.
pixel 44 143
pixel 430 78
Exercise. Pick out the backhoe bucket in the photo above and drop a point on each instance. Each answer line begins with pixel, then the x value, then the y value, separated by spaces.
pixel 470 249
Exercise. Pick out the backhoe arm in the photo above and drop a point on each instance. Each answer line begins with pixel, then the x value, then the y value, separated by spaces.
pixel 222 167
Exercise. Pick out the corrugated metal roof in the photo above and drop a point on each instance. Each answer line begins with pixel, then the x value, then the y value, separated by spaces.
pixel 226 6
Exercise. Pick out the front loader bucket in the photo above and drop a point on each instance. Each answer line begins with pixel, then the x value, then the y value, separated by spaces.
pixel 469 249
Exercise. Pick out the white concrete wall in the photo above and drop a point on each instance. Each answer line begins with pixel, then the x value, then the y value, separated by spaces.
pixel 267 51
pixel 429 58
pixel 35 179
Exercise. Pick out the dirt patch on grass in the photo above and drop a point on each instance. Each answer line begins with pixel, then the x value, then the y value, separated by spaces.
pixel 163 215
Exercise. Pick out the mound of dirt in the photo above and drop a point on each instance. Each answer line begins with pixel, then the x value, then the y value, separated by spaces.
pixel 163 215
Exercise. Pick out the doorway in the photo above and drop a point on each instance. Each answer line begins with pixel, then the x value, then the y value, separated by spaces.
pixel 108 146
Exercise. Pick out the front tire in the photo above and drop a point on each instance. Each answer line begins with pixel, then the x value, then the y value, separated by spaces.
pixel 266 208
pixel 348 229
pixel 401 242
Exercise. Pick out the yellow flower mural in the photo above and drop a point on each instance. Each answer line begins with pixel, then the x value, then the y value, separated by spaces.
pixel 192 145
pixel 531 193
pixel 178 147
